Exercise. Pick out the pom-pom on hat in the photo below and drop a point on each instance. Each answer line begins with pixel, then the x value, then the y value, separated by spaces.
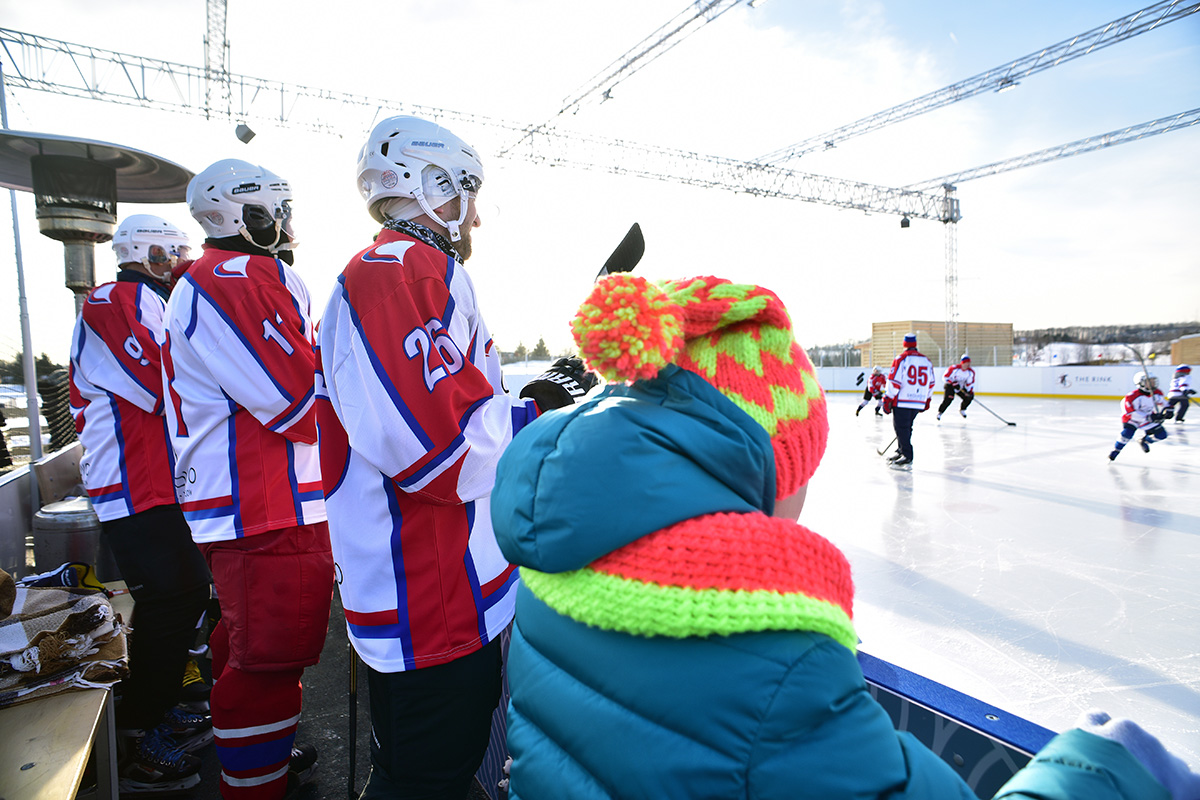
pixel 738 337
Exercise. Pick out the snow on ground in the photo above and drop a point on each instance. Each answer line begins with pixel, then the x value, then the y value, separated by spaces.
pixel 1019 565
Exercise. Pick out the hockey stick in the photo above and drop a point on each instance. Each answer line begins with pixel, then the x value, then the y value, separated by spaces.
pixel 627 255
pixel 353 716
pixel 994 414
pixel 889 446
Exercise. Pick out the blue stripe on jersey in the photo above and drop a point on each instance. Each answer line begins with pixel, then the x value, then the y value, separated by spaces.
pixel 116 412
pixel 170 449
pixel 498 595
pixel 231 434
pixel 290 448
pixel 190 328
pixel 283 280
pixel 448 313
pixel 137 300
pixel 522 415
pixel 380 373
pixel 297 410
pixel 241 337
pixel 79 350
pixel 450 449
pixel 472 575
pixel 404 632
pixel 212 513
pixel 434 463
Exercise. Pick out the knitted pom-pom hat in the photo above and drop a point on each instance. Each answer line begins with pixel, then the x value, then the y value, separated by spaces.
pixel 738 337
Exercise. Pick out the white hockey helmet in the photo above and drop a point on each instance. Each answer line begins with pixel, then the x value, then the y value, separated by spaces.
pixel 150 241
pixel 234 197
pixel 410 157
pixel 876 371
pixel 1147 383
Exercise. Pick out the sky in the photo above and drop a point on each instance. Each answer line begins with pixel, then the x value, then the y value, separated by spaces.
pixel 1108 237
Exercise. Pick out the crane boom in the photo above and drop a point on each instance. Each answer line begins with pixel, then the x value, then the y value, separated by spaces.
pixel 997 78
pixel 50 65
pixel 1133 133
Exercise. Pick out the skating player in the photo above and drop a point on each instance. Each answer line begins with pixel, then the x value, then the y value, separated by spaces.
pixel 1181 389
pixel 1144 410
pixel 873 389
pixel 959 380
pixel 910 386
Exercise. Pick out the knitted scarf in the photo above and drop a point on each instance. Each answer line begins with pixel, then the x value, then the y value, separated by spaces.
pixel 716 574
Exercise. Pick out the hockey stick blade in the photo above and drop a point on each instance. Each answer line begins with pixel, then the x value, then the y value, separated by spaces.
pixel 888 447
pixel 627 255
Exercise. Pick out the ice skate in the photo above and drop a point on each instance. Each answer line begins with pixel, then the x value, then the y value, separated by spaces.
pixel 1145 443
pixel 879 413
pixel 857 410
pixel 189 732
pixel 151 764
pixel 964 413
pixel 196 691
pixel 939 416
pixel 901 462
pixel 1113 455
pixel 300 769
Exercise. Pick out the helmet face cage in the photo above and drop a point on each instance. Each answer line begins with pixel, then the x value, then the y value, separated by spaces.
pixel 234 197
pixel 396 155
pixel 1147 383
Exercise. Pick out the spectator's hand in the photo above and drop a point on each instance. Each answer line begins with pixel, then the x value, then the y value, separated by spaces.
pixel 561 385
pixel 1170 770
pixel 888 405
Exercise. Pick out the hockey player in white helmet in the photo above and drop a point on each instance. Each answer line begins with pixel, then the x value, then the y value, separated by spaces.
pixel 239 362
pixel 1181 389
pixel 873 390
pixel 414 422
pixel 117 400
pixel 959 381
pixel 1143 409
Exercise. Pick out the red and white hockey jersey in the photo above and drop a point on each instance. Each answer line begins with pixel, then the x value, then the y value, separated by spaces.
pixel 239 365
pixel 117 399
pixel 414 418
pixel 960 376
pixel 1137 407
pixel 911 380
pixel 876 384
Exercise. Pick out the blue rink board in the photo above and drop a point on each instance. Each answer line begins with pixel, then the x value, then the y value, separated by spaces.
pixel 982 743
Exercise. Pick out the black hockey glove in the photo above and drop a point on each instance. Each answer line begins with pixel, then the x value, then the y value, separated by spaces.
pixel 1168 413
pixel 561 385
pixel 965 395
pixel 1158 416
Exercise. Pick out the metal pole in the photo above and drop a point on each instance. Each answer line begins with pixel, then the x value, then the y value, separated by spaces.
pixel 31 401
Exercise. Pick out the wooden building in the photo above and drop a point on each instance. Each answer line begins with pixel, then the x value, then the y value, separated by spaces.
pixel 988 343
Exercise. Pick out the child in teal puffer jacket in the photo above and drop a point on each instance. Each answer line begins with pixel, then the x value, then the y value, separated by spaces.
pixel 678 634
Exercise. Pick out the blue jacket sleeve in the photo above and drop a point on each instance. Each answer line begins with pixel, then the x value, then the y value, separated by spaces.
pixel 1079 764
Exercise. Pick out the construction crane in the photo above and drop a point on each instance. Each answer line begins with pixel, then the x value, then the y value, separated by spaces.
pixel 50 65
pixel 997 79
pixel 55 66
pixel 216 59
pixel 649 49
pixel 1133 133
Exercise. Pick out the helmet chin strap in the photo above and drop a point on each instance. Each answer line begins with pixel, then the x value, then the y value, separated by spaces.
pixel 275 246
pixel 451 225
pixel 160 278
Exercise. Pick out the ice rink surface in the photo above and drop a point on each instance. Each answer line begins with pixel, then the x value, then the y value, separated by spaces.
pixel 1021 566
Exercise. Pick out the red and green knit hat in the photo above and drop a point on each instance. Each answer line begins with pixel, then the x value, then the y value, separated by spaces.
pixel 738 337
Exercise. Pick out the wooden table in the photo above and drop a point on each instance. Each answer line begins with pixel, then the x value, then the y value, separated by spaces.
pixel 45 743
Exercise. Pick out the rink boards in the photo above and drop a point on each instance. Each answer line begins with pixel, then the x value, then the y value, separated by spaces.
pixel 982 743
